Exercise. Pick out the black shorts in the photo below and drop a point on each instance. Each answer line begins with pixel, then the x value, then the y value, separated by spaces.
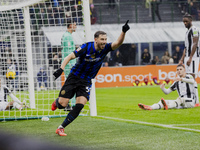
pixel 75 85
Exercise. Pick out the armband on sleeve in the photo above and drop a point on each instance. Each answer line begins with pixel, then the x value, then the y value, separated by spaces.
pixel 166 91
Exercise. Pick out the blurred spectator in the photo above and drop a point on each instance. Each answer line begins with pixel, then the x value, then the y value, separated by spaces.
pixel 146 56
pixel 165 58
pixel 137 83
pixel 42 17
pixel 93 14
pixel 183 5
pixel 105 62
pixel 56 62
pixel 132 54
pixel 146 82
pixel 128 52
pixel 155 81
pixel 60 56
pixel 68 15
pixel 42 78
pixel 171 61
pixel 77 13
pixel 177 55
pixel 156 60
pixel 11 69
pixel 117 58
pixel 193 11
pixel 167 81
pixel 155 9
pixel 111 62
pixel 147 3
pixel 111 4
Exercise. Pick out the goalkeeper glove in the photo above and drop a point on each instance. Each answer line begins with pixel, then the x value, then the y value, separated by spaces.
pixel 125 27
pixel 58 73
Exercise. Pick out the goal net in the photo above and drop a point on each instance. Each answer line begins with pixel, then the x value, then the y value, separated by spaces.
pixel 30 41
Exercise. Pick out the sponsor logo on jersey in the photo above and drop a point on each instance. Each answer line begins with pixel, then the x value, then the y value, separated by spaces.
pixel 78 49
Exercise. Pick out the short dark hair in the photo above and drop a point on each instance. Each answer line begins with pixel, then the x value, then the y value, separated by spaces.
pixel 69 22
pixel 187 16
pixel 96 35
pixel 180 65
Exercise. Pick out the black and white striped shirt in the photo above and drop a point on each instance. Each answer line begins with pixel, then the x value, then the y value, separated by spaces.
pixel 184 89
pixel 3 94
pixel 192 32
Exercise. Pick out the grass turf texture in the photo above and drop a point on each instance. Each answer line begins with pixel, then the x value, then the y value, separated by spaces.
pixel 101 133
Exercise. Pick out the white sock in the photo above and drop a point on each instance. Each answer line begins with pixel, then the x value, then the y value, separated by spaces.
pixel 60 127
pixel 196 92
pixel 16 105
pixel 158 105
pixel 15 98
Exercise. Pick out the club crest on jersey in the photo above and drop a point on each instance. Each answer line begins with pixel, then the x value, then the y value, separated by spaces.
pixel 78 49
pixel 62 92
pixel 93 56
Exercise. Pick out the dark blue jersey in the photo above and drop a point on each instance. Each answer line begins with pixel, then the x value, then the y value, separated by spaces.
pixel 89 60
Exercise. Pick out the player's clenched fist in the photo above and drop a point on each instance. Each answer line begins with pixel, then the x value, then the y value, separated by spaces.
pixel 58 73
pixel 125 27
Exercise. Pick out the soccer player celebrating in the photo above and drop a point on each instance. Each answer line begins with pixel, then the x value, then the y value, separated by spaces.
pixel 190 55
pixel 184 84
pixel 90 57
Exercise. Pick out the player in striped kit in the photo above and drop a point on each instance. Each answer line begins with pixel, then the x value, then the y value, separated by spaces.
pixel 4 104
pixel 190 55
pixel 184 84
pixel 90 58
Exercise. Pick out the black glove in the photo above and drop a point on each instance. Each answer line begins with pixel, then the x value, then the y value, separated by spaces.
pixel 58 73
pixel 125 27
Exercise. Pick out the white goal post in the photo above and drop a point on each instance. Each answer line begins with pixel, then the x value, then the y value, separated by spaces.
pixel 26 44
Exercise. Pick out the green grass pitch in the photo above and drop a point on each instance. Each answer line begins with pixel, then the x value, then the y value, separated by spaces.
pixel 121 124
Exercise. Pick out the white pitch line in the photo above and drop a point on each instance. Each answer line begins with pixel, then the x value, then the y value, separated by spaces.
pixel 149 123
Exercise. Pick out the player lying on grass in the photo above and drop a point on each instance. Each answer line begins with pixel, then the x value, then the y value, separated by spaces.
pixel 90 58
pixel 184 84
pixel 4 104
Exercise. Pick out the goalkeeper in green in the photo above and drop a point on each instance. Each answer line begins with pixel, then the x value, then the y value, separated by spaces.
pixel 68 47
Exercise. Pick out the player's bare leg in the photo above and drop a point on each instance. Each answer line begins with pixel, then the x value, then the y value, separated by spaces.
pixel 73 114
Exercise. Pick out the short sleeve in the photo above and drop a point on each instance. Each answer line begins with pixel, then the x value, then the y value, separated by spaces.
pixel 195 32
pixel 81 50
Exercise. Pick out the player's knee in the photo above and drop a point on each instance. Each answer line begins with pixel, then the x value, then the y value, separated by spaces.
pixel 60 106
pixel 77 108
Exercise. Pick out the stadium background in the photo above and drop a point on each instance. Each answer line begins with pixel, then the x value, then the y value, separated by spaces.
pixel 145 33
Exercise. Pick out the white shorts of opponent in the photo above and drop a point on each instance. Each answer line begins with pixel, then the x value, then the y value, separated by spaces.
pixel 194 66
pixel 185 102
pixel 3 105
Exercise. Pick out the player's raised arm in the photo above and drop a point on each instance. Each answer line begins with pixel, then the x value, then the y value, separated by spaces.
pixel 58 72
pixel 120 39
pixel 166 91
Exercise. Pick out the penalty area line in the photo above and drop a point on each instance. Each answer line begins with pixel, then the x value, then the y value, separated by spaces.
pixel 150 123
